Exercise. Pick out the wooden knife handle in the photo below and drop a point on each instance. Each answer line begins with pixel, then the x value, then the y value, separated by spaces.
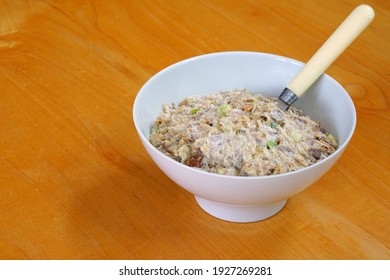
pixel 344 35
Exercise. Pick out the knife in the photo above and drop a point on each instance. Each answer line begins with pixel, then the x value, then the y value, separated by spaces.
pixel 344 35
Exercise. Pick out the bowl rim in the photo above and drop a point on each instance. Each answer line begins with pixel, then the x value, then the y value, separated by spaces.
pixel 146 141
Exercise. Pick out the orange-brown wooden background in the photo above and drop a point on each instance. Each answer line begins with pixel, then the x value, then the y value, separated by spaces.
pixel 75 181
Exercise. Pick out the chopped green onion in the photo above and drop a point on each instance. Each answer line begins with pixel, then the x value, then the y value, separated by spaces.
pixel 296 135
pixel 194 111
pixel 330 137
pixel 273 124
pixel 272 144
pixel 223 110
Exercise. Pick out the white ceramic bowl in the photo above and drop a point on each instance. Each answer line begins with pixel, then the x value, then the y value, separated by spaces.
pixel 234 198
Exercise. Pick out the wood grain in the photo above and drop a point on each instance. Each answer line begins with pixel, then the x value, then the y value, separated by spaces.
pixel 75 181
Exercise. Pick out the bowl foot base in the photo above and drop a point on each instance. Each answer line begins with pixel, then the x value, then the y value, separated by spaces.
pixel 238 213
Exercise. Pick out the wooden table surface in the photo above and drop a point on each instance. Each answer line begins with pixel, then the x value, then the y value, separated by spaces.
pixel 75 181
